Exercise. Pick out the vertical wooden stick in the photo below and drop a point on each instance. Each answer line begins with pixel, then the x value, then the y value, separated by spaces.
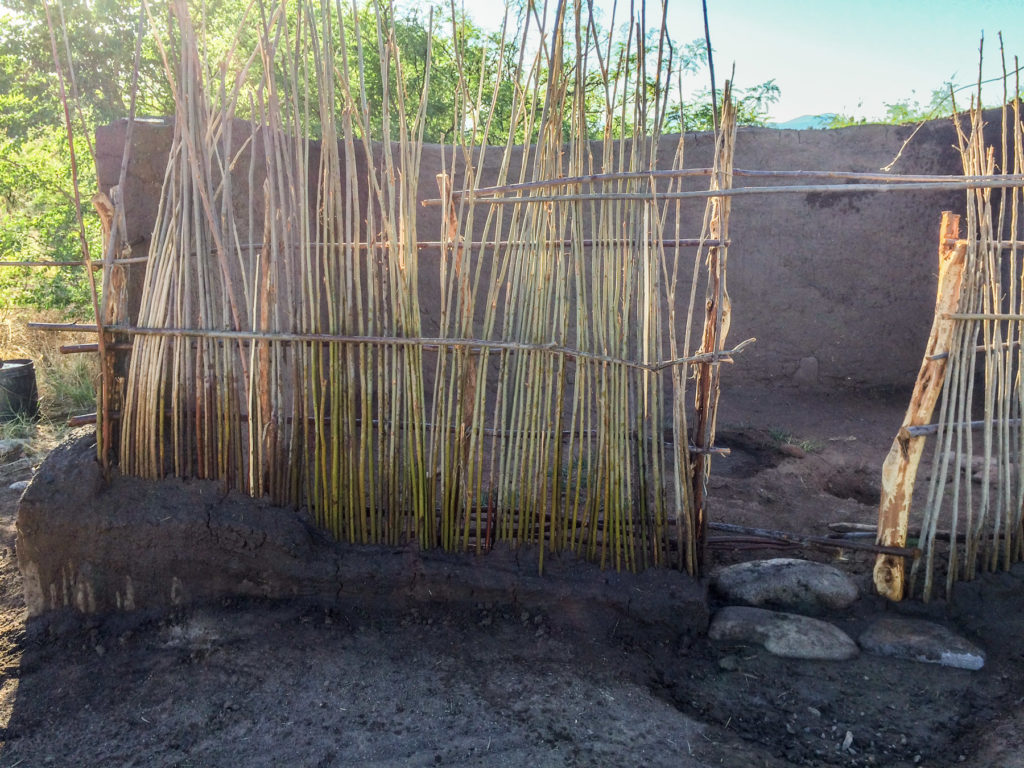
pixel 900 468
pixel 109 220
pixel 717 319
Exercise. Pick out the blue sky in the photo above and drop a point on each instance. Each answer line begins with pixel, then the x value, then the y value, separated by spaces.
pixel 844 56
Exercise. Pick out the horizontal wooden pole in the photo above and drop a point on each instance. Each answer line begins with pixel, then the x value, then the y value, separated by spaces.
pixel 998 182
pixel 498 433
pixel 931 429
pixel 815 541
pixel 1001 244
pixel 94 264
pixel 1015 317
pixel 684 242
pixel 74 349
pixel 725 356
pixel 991 349
pixel 861 529
pixel 747 542
pixel 473 345
pixel 47 263
pixel 676 173
pixel 76 327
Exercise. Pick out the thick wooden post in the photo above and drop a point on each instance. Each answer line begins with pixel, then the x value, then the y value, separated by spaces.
pixel 900 468
pixel 110 219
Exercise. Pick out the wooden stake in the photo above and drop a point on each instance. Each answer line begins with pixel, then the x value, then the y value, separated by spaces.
pixel 900 468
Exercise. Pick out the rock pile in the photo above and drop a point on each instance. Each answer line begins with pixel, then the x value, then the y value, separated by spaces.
pixel 768 601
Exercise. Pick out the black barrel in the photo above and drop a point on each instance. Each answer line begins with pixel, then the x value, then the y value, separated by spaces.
pixel 18 396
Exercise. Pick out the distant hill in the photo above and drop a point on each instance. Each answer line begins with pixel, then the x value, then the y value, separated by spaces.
pixel 804 122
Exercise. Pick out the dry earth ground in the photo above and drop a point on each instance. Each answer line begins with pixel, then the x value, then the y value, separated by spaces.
pixel 257 684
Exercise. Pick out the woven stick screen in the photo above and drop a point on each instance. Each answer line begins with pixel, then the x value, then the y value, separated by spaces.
pixel 284 345
pixel 972 519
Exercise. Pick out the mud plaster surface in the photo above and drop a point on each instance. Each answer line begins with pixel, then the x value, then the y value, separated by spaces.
pixel 838 289
pixel 261 683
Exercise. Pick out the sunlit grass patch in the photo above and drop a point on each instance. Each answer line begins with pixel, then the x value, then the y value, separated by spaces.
pixel 66 384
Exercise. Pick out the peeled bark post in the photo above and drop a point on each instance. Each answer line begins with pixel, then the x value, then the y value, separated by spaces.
pixel 900 468
pixel 717 316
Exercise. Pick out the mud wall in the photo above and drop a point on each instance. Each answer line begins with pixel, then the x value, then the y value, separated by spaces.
pixel 838 289
pixel 89 546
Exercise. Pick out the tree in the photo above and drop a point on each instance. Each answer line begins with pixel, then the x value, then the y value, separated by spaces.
pixel 752 106
pixel 466 67
pixel 38 223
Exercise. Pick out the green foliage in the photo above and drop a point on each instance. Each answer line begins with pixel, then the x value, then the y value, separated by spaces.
pixel 752 105
pixel 37 214
pixel 68 386
pixel 422 37
pixel 21 427
pixel 909 110
pixel 912 111
pixel 693 113
pixel 466 66
pixel 100 35
pixel 38 221
pixel 844 121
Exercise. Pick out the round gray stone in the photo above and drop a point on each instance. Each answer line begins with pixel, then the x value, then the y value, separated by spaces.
pixel 922 641
pixel 786 583
pixel 783 634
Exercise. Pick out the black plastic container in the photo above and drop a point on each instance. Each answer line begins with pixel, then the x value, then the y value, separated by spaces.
pixel 18 395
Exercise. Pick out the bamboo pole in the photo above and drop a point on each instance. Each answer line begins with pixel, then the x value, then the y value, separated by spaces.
pixel 899 470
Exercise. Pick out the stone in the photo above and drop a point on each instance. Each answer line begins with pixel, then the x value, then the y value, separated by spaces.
pixel 21 485
pixel 923 641
pixel 11 470
pixel 729 663
pixel 786 583
pixel 782 634
pixel 11 449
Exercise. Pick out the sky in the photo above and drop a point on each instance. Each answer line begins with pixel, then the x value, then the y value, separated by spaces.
pixel 848 57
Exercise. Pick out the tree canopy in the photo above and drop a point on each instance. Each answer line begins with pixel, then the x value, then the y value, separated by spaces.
pixel 95 42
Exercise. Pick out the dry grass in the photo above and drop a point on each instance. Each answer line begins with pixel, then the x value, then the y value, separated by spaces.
pixel 66 383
